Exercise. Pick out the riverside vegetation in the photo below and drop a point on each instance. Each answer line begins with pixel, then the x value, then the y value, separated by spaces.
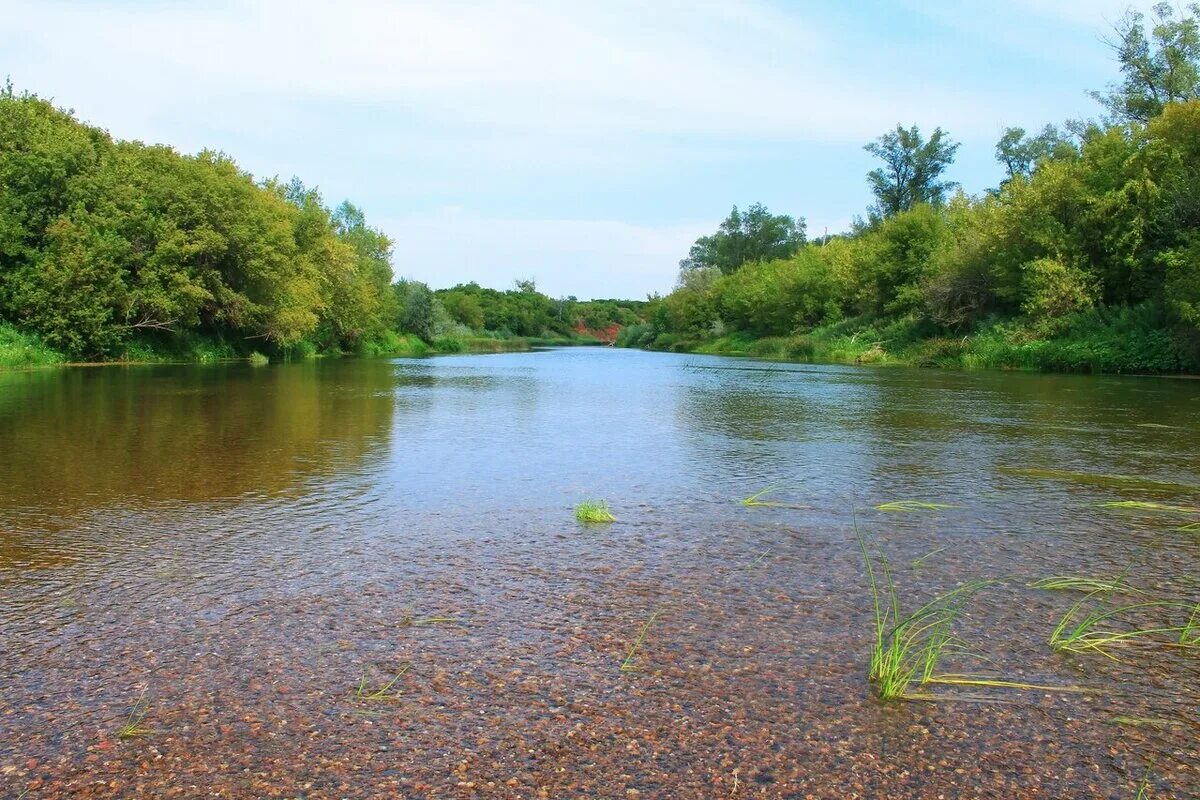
pixel 1085 258
pixel 117 250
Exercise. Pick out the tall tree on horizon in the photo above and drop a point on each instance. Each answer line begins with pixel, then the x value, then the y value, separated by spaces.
pixel 1158 67
pixel 1020 153
pixel 912 170
pixel 746 236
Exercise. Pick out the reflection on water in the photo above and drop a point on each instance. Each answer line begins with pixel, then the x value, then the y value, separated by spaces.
pixel 245 543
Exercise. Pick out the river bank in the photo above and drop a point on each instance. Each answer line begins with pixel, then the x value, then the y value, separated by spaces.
pixel 27 351
pixel 1099 342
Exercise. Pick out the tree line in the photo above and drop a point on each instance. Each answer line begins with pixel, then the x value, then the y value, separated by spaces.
pixel 1086 256
pixel 117 249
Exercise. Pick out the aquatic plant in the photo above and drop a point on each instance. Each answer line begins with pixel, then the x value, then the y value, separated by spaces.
pixel 1076 583
pixel 1140 722
pixel 1191 527
pixel 917 562
pixel 257 359
pixel 1144 787
pixel 1097 479
pixel 907 648
pixel 383 693
pixel 1091 625
pixel 756 499
pixel 911 505
pixel 409 620
pixel 1190 635
pixel 761 557
pixel 1142 505
pixel 590 511
pixel 133 726
pixel 627 665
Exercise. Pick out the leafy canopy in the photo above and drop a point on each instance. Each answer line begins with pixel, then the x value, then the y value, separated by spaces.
pixel 912 170
pixel 1158 67
pixel 752 235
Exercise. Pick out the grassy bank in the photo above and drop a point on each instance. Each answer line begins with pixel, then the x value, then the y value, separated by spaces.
pixel 24 350
pixel 412 346
pixel 1131 340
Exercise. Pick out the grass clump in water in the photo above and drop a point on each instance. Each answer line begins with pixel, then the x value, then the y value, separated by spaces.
pixel 257 359
pixel 410 620
pixel 382 694
pixel 133 727
pixel 1143 791
pixel 756 499
pixel 917 562
pixel 911 505
pixel 628 664
pixel 908 648
pixel 1143 505
pixel 1093 626
pixel 1075 583
pixel 1098 479
pixel 592 511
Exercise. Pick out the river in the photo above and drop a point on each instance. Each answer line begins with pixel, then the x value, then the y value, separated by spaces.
pixel 363 578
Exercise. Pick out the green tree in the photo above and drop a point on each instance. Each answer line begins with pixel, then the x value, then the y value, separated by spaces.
pixel 1157 68
pixel 776 298
pixel 1020 154
pixel 463 308
pixel 912 170
pixel 753 235
pixel 415 308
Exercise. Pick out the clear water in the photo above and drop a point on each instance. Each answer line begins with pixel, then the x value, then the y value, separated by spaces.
pixel 239 547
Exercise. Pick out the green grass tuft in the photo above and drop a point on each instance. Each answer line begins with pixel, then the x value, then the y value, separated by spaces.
pixel 592 511
pixel 25 350
pixel 917 562
pixel 908 648
pixel 1093 626
pixel 133 726
pixel 1098 479
pixel 628 664
pixel 382 694
pixel 1142 505
pixel 756 499
pixel 257 359
pixel 911 505
pixel 1074 583
pixel 1143 791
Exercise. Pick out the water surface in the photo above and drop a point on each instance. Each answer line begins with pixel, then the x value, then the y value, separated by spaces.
pixel 239 547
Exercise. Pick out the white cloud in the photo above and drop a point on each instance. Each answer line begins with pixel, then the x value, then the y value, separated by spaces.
pixel 738 69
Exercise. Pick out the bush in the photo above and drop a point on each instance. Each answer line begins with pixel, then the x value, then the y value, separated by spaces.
pixel 20 350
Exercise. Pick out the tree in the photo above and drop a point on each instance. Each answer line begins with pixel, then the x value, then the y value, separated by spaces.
pixel 415 308
pixel 753 235
pixel 1157 69
pixel 1020 153
pixel 911 171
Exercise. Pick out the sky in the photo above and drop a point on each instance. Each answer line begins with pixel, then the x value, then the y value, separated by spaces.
pixel 582 144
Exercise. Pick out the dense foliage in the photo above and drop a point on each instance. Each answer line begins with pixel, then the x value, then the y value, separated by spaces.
pixel 104 242
pixel 751 235
pixel 1086 257
pixel 114 249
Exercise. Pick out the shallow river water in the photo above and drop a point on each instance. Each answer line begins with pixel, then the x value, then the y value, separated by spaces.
pixel 235 562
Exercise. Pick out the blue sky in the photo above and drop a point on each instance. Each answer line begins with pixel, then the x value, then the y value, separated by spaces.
pixel 585 145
